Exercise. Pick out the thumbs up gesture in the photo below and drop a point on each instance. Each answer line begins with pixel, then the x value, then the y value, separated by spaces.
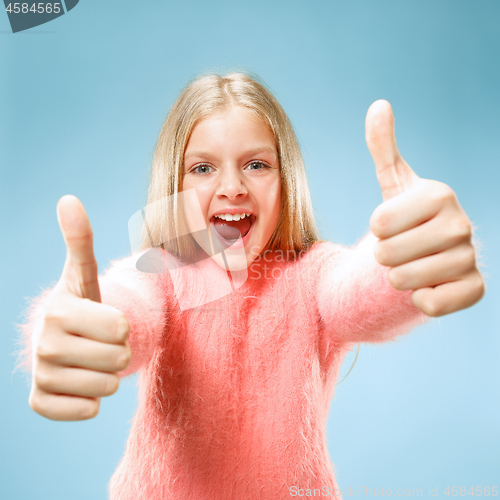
pixel 80 344
pixel 424 234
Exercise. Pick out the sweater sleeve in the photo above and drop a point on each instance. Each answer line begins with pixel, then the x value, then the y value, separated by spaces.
pixel 144 300
pixel 142 297
pixel 356 300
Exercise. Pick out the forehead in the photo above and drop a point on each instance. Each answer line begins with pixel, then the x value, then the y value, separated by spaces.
pixel 229 130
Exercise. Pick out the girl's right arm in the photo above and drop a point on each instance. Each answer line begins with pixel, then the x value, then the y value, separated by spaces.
pixel 79 344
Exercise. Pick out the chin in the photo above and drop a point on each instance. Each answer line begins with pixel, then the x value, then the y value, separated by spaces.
pixel 233 262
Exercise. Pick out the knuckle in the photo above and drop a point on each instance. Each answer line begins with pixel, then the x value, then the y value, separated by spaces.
pixel 42 379
pixel 384 253
pixel 479 286
pixel 462 228
pixel 122 359
pixel 36 402
pixel 89 410
pixel 111 385
pixel 397 279
pixel 54 313
pixel 469 258
pixel 127 357
pixel 444 194
pixel 432 308
pixel 380 222
pixel 46 348
pixel 122 328
pixel 40 404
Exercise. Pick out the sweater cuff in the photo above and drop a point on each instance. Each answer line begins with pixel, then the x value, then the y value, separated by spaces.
pixel 32 315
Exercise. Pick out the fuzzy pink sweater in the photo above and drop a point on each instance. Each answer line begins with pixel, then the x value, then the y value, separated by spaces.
pixel 234 394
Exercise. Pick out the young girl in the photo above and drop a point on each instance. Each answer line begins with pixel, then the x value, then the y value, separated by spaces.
pixel 235 314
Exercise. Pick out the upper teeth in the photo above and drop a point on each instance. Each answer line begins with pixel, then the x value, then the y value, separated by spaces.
pixel 230 217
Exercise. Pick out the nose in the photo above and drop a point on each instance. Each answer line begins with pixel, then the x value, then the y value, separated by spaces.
pixel 231 184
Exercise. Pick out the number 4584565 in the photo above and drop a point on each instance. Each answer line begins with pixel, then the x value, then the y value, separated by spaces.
pixel 24 8
pixel 477 491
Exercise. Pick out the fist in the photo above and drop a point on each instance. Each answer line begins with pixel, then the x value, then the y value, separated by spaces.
pixel 79 345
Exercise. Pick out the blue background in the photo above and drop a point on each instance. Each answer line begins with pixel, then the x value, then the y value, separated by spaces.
pixel 82 100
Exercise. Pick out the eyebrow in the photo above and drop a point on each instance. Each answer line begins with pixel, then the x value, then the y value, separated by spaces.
pixel 250 152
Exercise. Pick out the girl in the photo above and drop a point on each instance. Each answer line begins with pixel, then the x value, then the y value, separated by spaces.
pixel 235 314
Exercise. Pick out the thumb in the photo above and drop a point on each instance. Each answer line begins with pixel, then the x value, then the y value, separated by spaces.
pixel 80 269
pixel 393 173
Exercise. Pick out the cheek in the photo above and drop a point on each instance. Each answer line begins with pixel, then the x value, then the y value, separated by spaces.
pixel 201 197
pixel 192 210
pixel 275 200
pixel 195 208
pixel 272 207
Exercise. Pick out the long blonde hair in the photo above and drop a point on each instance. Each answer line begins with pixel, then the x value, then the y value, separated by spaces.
pixel 296 229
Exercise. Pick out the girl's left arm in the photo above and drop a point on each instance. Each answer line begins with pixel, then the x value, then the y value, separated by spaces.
pixel 355 299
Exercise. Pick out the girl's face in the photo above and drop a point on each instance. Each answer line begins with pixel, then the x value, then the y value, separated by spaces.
pixel 231 161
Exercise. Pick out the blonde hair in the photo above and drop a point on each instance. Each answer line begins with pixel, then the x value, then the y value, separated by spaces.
pixel 296 229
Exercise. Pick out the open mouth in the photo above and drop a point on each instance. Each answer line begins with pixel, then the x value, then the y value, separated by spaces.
pixel 231 230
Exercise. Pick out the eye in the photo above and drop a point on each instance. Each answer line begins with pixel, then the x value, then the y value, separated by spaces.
pixel 258 164
pixel 202 169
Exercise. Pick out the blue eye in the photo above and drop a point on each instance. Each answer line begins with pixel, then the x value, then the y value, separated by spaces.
pixel 259 164
pixel 197 169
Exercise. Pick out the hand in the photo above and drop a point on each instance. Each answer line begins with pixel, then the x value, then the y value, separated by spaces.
pixel 424 234
pixel 79 344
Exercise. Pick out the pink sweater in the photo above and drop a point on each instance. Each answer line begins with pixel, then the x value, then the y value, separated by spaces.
pixel 234 394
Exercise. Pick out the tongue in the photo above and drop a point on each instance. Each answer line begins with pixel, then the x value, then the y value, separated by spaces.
pixel 231 230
